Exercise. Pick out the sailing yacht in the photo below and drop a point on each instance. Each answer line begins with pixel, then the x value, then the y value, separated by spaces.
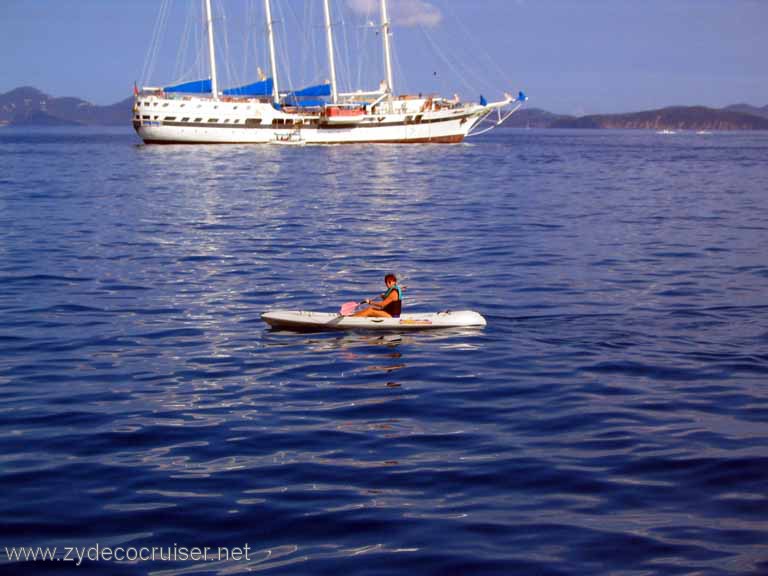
pixel 200 113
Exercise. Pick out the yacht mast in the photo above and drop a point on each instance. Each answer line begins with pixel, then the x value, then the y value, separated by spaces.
pixel 272 60
pixel 385 31
pixel 211 51
pixel 329 35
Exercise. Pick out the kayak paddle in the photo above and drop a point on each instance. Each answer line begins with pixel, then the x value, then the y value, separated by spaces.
pixel 348 308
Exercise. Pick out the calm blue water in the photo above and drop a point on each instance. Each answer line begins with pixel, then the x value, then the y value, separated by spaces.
pixel 611 419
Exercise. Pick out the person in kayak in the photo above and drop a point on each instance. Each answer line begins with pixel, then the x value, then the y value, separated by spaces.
pixel 391 303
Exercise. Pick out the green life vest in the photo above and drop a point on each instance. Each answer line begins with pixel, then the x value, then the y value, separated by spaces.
pixel 394 308
pixel 399 292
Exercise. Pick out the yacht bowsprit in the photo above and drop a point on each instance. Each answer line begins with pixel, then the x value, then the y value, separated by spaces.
pixel 199 112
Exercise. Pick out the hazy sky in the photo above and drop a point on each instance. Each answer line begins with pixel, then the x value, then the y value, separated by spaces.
pixel 570 56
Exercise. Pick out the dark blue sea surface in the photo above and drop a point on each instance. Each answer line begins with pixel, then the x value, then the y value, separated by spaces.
pixel 611 419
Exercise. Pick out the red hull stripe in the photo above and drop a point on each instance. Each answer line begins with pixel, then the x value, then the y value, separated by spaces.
pixel 436 140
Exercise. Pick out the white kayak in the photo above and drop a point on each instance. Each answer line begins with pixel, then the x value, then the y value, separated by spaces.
pixel 301 320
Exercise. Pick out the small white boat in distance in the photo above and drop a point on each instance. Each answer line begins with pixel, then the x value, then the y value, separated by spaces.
pixel 303 320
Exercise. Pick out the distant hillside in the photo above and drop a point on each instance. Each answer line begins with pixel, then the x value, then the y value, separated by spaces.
pixel 28 106
pixel 533 118
pixel 747 109
pixel 672 118
pixel 39 118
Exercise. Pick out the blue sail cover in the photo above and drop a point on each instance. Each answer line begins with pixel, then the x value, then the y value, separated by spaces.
pixel 263 88
pixel 194 87
pixel 305 103
pixel 319 90
pixel 309 97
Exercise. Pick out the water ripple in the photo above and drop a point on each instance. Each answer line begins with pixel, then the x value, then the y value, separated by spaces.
pixel 610 419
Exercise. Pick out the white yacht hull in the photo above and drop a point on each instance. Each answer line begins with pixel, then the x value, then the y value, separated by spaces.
pixel 193 120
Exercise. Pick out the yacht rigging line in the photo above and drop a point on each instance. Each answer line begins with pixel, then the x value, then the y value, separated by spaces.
pixel 154 44
pixel 232 76
pixel 442 55
pixel 343 56
pixel 282 48
pixel 182 69
pixel 476 48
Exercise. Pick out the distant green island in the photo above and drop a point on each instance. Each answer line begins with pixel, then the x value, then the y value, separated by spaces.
pixel 735 117
pixel 27 106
